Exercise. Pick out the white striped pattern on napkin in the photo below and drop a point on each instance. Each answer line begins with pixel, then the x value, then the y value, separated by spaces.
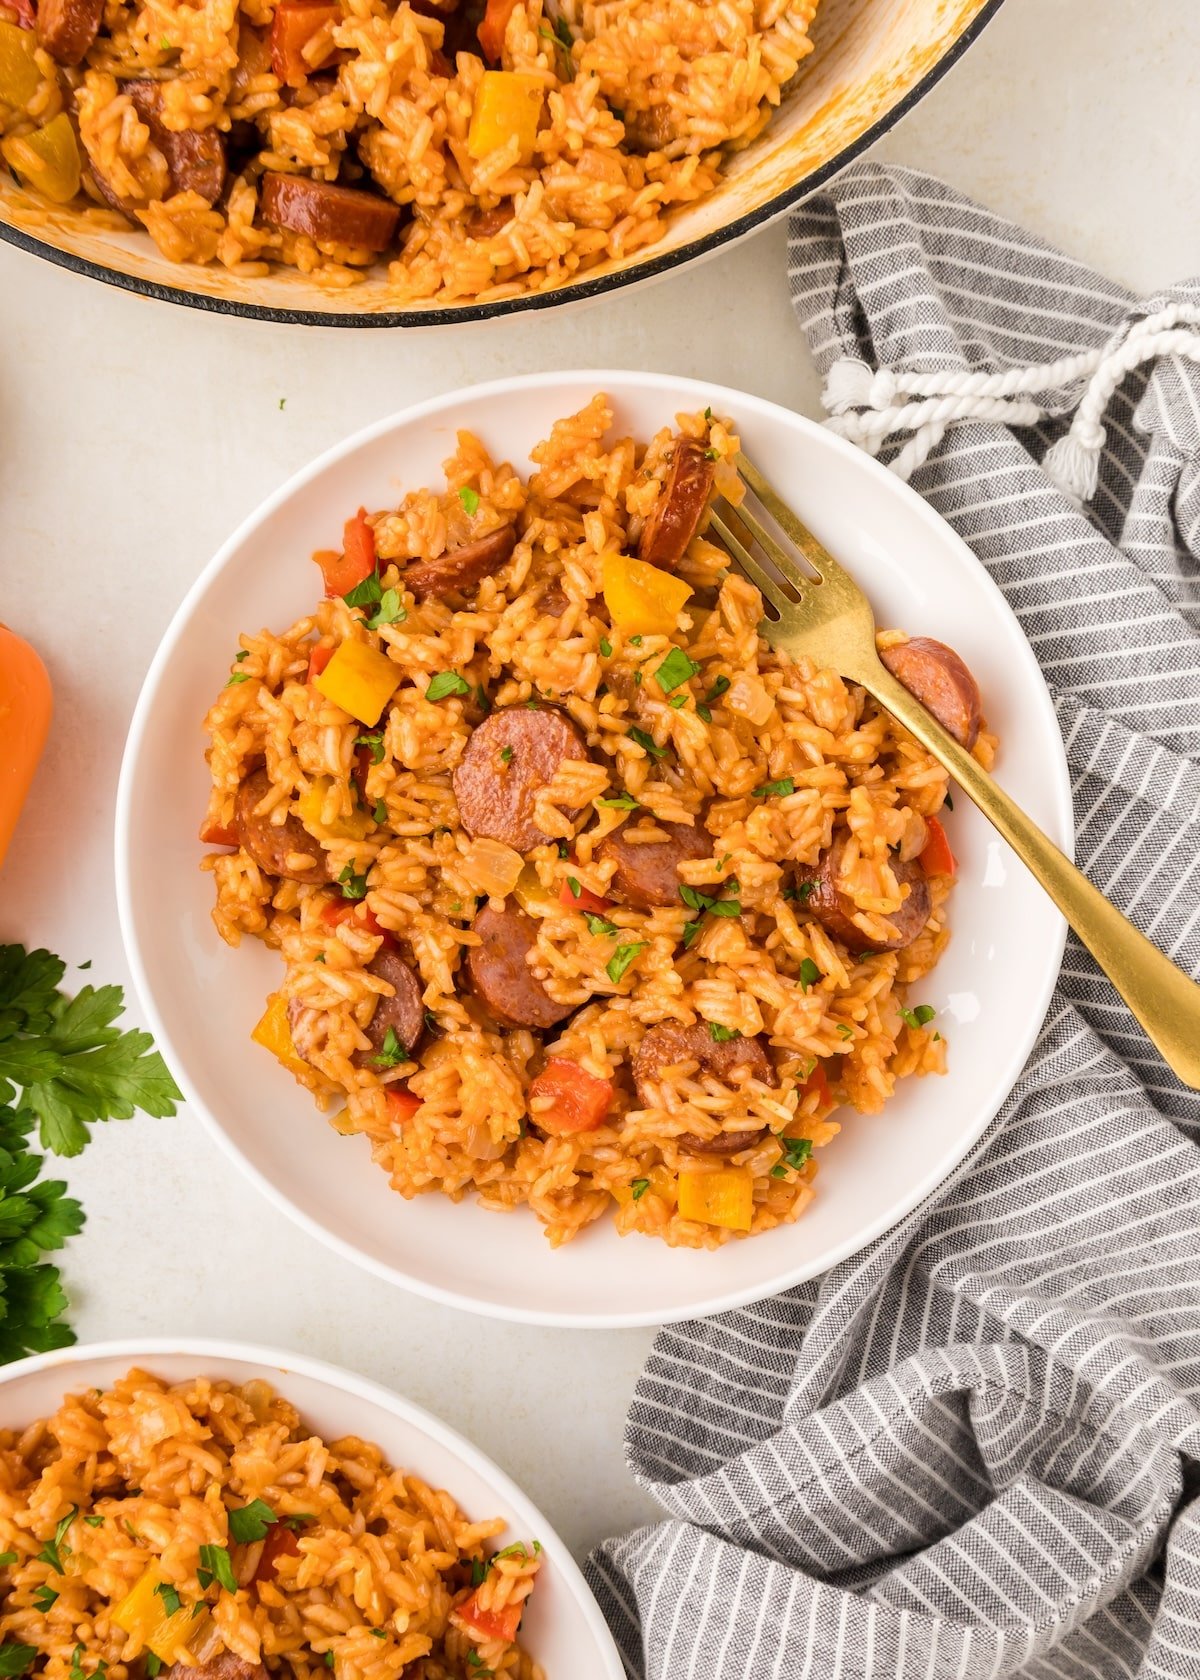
pixel 973 1451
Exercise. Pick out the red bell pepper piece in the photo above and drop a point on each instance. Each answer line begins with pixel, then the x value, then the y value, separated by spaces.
pixel 218 834
pixel 577 1100
pixel 491 30
pixel 335 913
pixel 280 1542
pixel 491 1624
pixel 318 659
pixel 583 900
pixel 818 1081
pixel 402 1105
pixel 293 27
pixel 345 571
pixel 937 858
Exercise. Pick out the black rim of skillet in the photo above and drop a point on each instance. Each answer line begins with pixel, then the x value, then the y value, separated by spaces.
pixel 576 292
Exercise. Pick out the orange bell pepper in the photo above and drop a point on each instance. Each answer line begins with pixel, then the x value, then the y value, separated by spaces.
pixel 219 834
pixel 575 1101
pixel 342 572
pixel 724 1197
pixel 402 1105
pixel 491 1624
pixel 937 858
pixel 26 705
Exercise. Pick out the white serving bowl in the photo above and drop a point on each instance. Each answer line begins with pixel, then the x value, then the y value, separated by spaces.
pixel 202 999
pixel 872 61
pixel 562 1629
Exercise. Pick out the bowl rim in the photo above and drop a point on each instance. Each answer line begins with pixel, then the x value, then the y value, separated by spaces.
pixel 1060 828
pixel 567 1571
pixel 580 291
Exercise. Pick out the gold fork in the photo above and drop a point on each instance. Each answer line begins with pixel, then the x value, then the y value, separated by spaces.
pixel 830 620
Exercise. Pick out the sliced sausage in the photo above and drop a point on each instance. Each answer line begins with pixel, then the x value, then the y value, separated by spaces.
pixel 403 1013
pixel 67 28
pixel 337 215
pixel 650 130
pixel 512 755
pixel 935 675
pixel 835 911
pixel 461 568
pixel 553 601
pixel 675 516
pixel 669 1046
pixel 648 875
pixel 500 971
pixel 485 224
pixel 275 846
pixel 195 158
pixel 223 1665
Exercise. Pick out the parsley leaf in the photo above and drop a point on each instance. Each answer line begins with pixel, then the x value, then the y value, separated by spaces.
pixel 598 925
pixel 14 1658
pixel 639 1188
pixel 391 1051
pixel 717 689
pixel 809 973
pixel 918 1017
pixel 647 743
pixel 375 742
pixel 389 611
pixel 574 886
pixel 153 1665
pixel 469 499
pixel 620 802
pixel 605 647
pixel 170 1598
pixel 251 1522
pixel 238 677
pixel 703 713
pixel 796 1152
pixel 691 931
pixel 506 754
pixel 352 885
pixel 720 1034
pixel 783 786
pixel 215 1566
pixel 44 1597
pixel 77 1656
pixel 7 1558
pixel 94 1522
pixel 621 958
pixel 675 670
pixel 380 813
pixel 446 682
pixel 366 593
pixel 843 1031
pixel 479 1571
pixel 52 1552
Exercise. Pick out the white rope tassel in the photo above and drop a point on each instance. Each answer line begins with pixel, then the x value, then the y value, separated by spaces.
pixel 889 401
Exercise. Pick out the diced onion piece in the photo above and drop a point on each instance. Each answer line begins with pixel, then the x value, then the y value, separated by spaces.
pixel 482 1146
pixel 20 77
pixel 508 103
pixel 361 680
pixel 492 867
pixel 642 600
pixel 309 806
pixel 531 895
pixel 47 160
pixel 749 698
pixel 275 1035
pixel 724 1198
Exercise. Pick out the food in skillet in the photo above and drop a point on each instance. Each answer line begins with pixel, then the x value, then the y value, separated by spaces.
pixel 585 897
pixel 479 153
pixel 200 1531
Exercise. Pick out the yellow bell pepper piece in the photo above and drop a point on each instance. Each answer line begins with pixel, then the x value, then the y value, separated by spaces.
pixel 642 600
pixel 660 1183
pixel 508 102
pixel 310 805
pixel 531 895
pixel 143 1614
pixel 724 1197
pixel 274 1034
pixel 20 77
pixel 360 680
pixel 47 159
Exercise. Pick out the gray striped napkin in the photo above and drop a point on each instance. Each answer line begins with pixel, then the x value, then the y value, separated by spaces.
pixel 974 1450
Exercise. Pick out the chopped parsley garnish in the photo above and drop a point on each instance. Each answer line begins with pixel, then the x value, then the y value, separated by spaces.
pixel 391 1051
pixel 52 1551
pixel 474 1660
pixel 431 1021
pixel 606 647
pixel 637 679
pixel 352 885
pixel 809 973
pixel 77 1656
pixel 283 400
pixel 238 677
pixel 691 931
pixel 506 755
pixel 251 1522
pixel 675 670
pixel 720 1034
pixel 600 927
pixel 796 1152
pixel 238 657
pixel 801 890
pixel 389 611
pixel 14 1658
pixel 479 1571
pixel 153 1665
pixel 7 1558
pixel 378 1633
pixel 563 849
pixel 171 1599
pixel 573 884
pixel 636 641
pixel 380 813
pixel 711 906
pixel 94 1522
pixel 843 1031
pixel 782 787
pixel 469 499
pixel 676 701
pixel 531 705
pixel 365 594
pixel 446 682
pixel 44 1597
pixel 328 1659
pixel 703 713
pixel 639 1188
pixel 215 1566
pixel 375 742
pixel 620 802
pixel 647 743
pixel 918 1017
pixel 621 958
pixel 717 689
pixel 517 1549
pixel 482 701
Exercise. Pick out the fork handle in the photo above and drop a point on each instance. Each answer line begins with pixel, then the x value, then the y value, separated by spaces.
pixel 1160 995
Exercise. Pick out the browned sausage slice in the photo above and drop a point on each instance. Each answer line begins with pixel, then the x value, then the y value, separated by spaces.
pixel 676 514
pixel 275 847
pixel 501 974
pixel 834 910
pixel 648 875
pixel 338 215
pixel 461 568
pixel 67 28
pixel 669 1046
pixel 195 158
pixel 222 1666
pixel 509 759
pixel 403 1013
pixel 935 675
pixel 485 224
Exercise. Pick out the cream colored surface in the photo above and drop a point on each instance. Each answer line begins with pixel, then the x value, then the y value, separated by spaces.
pixel 1079 117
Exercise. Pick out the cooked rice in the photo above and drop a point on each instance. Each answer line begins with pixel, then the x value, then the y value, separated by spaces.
pixel 140 1476
pixel 839 1041
pixel 639 115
